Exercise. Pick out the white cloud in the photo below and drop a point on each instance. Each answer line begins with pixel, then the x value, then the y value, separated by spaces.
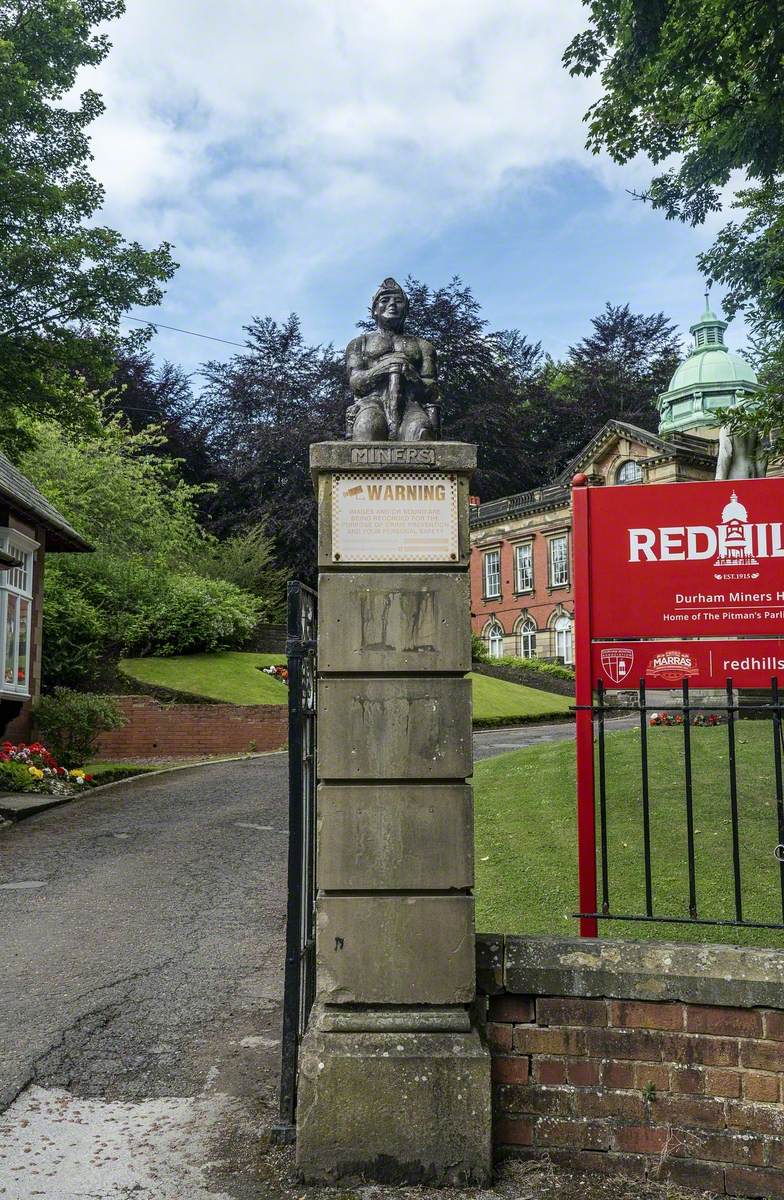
pixel 278 143
pixel 328 125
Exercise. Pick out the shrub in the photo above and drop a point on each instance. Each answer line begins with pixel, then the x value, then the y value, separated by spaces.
pixel 15 777
pixel 536 664
pixel 71 722
pixel 478 649
pixel 75 633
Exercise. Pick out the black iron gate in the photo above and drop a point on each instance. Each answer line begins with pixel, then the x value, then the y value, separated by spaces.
pixel 300 971
pixel 767 861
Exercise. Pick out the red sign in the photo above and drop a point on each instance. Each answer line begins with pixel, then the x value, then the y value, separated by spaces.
pixel 672 562
pixel 687 559
pixel 748 663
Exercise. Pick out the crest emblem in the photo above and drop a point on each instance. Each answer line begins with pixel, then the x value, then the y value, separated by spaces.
pixel 617 664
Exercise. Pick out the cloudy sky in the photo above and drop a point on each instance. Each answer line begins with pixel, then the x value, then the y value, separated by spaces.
pixel 297 151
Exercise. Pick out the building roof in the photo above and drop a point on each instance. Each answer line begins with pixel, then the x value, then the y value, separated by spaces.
pixel 554 495
pixel 19 492
pixel 710 378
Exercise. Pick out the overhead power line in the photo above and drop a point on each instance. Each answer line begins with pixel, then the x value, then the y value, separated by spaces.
pixel 175 329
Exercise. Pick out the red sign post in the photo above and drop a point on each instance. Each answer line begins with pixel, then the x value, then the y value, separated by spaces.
pixel 672 582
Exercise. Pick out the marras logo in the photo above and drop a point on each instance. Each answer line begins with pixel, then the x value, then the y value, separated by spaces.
pixel 733 544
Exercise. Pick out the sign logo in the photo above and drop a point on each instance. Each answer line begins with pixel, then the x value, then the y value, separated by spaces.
pixel 617 664
pixel 672 665
pixel 734 545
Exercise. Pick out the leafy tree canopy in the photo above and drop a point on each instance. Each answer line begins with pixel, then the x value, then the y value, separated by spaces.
pixel 63 282
pixel 703 79
pixel 616 372
pixel 154 583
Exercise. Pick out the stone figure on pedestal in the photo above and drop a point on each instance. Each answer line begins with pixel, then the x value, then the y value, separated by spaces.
pixel 741 455
pixel 392 376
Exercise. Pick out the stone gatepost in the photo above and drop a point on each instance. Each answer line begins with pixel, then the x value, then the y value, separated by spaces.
pixel 394 1079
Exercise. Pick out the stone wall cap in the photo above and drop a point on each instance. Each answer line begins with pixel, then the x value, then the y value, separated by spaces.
pixel 392 456
pixel 697 973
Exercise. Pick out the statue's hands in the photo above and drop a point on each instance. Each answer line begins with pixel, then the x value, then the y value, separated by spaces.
pixel 395 361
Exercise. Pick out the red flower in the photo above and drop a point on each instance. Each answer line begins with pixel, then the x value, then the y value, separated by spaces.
pixel 88 779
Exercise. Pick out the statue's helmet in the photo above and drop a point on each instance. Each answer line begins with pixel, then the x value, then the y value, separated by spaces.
pixel 389 285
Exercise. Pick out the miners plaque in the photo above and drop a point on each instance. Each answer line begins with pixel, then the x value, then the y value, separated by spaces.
pixel 394 518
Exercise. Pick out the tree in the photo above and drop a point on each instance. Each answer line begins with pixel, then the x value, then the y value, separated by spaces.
pixel 161 396
pixel 265 406
pixel 703 80
pixel 615 373
pixel 151 585
pixel 63 282
pixel 262 410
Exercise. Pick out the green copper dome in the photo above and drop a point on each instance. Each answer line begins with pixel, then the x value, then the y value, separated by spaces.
pixel 710 378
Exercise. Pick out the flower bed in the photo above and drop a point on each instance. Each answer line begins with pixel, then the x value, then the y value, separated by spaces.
pixel 31 768
pixel 276 671
pixel 666 718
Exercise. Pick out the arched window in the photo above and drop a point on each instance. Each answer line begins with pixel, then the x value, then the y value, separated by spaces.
pixel 526 638
pixel 563 638
pixel 629 472
pixel 494 636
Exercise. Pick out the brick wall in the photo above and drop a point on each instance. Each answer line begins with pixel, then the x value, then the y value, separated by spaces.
pixel 649 1084
pixel 156 730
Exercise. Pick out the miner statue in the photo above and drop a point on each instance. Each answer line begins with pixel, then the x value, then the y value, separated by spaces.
pixel 392 377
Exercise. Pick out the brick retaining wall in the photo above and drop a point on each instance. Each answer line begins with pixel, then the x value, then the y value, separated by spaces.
pixel 157 730
pixel 645 1059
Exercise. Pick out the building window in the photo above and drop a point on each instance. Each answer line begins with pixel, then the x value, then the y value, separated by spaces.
pixel 524 568
pixel 16 604
pixel 629 472
pixel 559 562
pixel 495 640
pixel 526 639
pixel 563 638
pixel 492 574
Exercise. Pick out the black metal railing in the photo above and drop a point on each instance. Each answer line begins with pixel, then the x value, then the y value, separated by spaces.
pixel 300 968
pixel 706 710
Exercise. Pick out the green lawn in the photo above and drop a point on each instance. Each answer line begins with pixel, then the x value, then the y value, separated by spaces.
pixel 496 700
pixel 230 675
pixel 526 837
pixel 233 676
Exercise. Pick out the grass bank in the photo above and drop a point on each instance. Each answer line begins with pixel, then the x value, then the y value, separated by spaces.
pixel 234 677
pixel 526 837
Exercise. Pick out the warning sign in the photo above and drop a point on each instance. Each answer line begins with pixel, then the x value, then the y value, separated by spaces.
pixel 378 518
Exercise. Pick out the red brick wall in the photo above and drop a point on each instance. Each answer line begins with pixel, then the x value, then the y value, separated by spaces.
pixel 157 730
pixel 665 1089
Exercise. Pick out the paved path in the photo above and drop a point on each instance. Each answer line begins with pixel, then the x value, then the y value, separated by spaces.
pixel 498 741
pixel 140 982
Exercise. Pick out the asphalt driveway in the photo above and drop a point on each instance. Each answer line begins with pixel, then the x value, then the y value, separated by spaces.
pixel 140 984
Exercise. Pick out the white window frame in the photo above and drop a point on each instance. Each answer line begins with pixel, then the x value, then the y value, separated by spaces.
pixel 495 555
pixel 526 638
pixel 16 590
pixel 564 639
pixel 524 582
pixel 494 636
pixel 558 567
